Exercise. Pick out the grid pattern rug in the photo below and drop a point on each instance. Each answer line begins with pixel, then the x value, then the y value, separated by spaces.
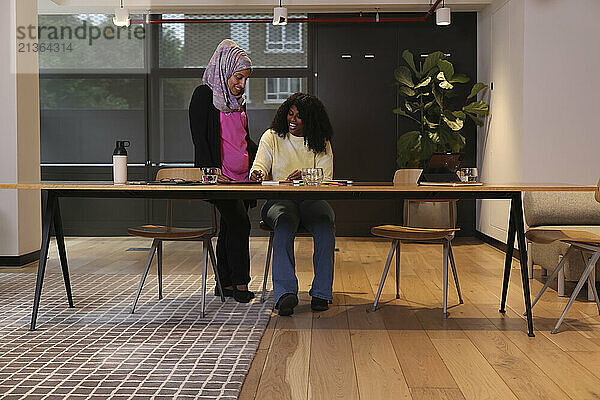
pixel 98 350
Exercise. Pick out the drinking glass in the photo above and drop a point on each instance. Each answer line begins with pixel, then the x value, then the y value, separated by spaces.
pixel 468 174
pixel 210 175
pixel 312 176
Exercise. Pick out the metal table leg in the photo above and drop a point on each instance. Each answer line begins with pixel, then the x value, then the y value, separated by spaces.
pixel 46 222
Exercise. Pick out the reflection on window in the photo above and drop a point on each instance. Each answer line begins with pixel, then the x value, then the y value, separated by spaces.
pixel 279 89
pixel 87 41
pixel 240 34
pixel 284 39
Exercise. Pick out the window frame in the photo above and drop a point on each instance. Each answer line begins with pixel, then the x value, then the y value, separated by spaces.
pixel 283 42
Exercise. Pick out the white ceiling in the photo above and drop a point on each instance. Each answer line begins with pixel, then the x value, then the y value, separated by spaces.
pixel 241 6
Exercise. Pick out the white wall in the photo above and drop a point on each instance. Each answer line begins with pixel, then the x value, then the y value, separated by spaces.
pixel 541 56
pixel 20 231
pixel 562 91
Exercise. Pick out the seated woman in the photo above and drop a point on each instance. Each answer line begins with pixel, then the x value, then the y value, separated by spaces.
pixel 299 137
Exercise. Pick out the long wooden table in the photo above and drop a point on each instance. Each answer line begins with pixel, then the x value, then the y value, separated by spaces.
pixel 55 190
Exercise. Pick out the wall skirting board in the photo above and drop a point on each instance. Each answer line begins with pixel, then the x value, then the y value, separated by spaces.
pixel 19 261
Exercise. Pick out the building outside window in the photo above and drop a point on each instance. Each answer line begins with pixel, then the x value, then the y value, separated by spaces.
pixel 279 89
pixel 284 39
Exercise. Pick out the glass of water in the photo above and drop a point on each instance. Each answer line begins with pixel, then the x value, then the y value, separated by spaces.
pixel 312 176
pixel 210 175
pixel 468 174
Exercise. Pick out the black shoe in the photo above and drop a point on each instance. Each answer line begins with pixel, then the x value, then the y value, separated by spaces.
pixel 317 304
pixel 226 292
pixel 286 304
pixel 242 296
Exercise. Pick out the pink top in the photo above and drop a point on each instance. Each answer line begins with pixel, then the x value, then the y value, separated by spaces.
pixel 234 148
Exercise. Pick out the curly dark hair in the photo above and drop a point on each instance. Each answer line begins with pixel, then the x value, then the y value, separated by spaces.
pixel 316 126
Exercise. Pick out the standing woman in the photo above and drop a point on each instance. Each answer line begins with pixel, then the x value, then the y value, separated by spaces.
pixel 299 137
pixel 221 139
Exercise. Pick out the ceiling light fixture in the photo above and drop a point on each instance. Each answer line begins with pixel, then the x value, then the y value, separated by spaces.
pixel 121 17
pixel 280 15
pixel 442 15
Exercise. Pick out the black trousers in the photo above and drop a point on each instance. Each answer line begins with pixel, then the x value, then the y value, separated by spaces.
pixel 233 253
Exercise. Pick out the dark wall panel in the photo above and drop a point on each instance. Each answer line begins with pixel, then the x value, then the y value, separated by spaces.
pixel 355 80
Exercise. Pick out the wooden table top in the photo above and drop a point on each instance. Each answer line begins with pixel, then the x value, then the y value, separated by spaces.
pixel 357 187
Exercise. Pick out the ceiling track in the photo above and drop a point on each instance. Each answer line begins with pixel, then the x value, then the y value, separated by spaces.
pixel 361 19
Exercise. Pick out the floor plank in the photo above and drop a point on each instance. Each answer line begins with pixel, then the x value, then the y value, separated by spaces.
pixel 405 349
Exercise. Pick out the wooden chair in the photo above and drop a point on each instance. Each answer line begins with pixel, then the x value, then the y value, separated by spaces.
pixel 160 233
pixel 302 232
pixel 444 234
pixel 585 243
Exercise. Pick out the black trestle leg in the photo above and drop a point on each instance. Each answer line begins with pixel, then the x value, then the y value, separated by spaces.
pixel 46 222
pixel 509 254
pixel 520 230
pixel 62 252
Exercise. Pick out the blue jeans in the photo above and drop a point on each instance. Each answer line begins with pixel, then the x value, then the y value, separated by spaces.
pixel 284 217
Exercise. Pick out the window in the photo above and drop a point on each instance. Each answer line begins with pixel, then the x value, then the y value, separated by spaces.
pixel 191 45
pixel 279 89
pixel 284 39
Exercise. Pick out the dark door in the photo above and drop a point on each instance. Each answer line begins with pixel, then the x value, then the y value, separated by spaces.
pixel 355 80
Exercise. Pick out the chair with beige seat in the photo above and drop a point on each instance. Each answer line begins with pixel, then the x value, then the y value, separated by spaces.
pixel 160 233
pixel 586 243
pixel 425 221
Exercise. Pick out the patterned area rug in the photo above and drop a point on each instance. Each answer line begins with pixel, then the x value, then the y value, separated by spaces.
pixel 98 350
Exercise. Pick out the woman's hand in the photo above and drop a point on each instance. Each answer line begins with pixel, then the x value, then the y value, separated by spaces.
pixel 256 176
pixel 222 178
pixel 297 174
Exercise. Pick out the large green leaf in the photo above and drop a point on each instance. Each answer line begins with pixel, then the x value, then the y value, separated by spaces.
pixel 408 57
pixel 475 119
pixel 406 147
pixel 447 68
pixel 423 83
pixel 428 105
pixel 405 90
pixel 457 142
pixel 431 125
pixel 455 125
pixel 459 78
pixel 404 76
pixel 446 85
pixel 431 61
pixel 403 113
pixel 480 108
pixel 478 87
pixel 459 114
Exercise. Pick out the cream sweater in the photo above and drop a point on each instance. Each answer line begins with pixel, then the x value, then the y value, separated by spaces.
pixel 278 157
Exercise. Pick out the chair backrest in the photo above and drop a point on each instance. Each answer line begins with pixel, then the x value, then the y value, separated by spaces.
pixel 598 192
pixel 425 213
pixel 561 208
pixel 407 176
pixel 189 174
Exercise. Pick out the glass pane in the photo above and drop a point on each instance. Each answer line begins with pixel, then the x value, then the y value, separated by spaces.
pixel 294 85
pixel 283 85
pixel 82 118
pixel 271 85
pixel 175 143
pixel 88 41
pixel 275 33
pixel 191 45
pixel 292 33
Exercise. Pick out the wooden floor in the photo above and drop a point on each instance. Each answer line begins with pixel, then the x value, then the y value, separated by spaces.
pixel 405 350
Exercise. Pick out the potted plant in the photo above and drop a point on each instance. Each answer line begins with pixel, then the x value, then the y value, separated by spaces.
pixel 435 99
